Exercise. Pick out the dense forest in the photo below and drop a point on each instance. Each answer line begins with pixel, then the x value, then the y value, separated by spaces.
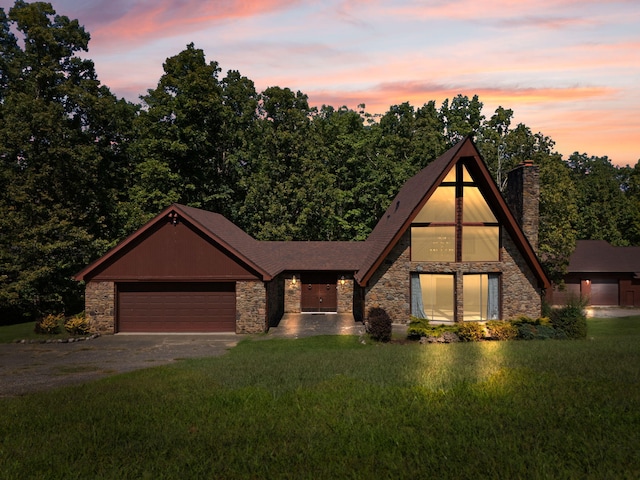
pixel 81 169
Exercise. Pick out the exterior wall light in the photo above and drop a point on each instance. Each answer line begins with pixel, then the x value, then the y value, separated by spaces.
pixel 342 280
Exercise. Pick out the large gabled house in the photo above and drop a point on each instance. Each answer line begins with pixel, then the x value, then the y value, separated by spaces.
pixel 448 248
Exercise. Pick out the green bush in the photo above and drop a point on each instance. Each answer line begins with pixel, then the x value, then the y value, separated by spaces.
pixel 50 324
pixel 571 319
pixel 77 325
pixel 470 332
pixel 420 327
pixel 379 324
pixel 526 331
pixel 500 330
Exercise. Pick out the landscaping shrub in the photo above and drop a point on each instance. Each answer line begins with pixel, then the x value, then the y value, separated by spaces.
pixel 50 324
pixel 420 328
pixel 499 330
pixel 77 325
pixel 526 331
pixel 470 332
pixel 571 319
pixel 379 324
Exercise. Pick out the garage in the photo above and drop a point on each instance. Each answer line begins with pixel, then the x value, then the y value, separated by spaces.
pixel 176 307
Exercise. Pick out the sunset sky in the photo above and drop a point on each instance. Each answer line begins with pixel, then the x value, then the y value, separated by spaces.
pixel 568 68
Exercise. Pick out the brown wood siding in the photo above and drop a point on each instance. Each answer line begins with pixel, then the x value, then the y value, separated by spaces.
pixel 319 292
pixel 630 292
pixel 174 252
pixel 176 307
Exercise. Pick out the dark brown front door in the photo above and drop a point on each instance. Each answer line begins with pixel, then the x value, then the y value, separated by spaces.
pixel 176 307
pixel 319 292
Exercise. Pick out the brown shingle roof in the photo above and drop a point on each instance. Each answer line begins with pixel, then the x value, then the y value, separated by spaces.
pixel 404 207
pixel 415 193
pixel 599 256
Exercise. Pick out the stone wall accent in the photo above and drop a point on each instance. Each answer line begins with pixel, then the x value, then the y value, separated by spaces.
pixel 389 288
pixel 99 301
pixel 520 293
pixel 292 293
pixel 389 285
pixel 523 198
pixel 251 307
pixel 345 293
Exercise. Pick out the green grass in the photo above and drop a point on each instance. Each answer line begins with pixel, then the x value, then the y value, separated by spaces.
pixel 331 407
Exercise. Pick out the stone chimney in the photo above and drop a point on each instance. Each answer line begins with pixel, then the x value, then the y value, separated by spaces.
pixel 523 197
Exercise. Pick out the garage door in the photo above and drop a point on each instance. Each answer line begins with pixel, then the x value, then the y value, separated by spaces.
pixel 176 307
pixel 604 292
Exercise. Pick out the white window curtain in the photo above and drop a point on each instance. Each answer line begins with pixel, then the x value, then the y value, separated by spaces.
pixel 493 298
pixel 417 306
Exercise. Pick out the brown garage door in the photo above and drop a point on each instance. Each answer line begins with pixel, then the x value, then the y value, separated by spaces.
pixel 604 292
pixel 176 307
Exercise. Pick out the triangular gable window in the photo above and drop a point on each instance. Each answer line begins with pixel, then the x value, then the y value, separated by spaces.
pixel 456 224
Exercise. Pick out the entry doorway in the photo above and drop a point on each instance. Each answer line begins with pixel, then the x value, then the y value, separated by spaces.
pixel 319 292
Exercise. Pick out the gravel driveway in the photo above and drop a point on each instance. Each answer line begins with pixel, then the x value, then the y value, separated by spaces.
pixel 27 368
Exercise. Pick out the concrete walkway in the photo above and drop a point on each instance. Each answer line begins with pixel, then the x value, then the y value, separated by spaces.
pixel 296 325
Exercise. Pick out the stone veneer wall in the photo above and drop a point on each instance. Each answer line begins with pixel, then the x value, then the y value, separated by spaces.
pixel 251 307
pixel 389 285
pixel 292 293
pixel 99 306
pixel 389 288
pixel 520 295
pixel 345 294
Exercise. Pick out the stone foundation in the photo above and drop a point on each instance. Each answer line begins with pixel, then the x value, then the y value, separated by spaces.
pixel 251 307
pixel 99 301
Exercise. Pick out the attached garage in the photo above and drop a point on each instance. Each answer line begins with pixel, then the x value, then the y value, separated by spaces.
pixel 176 307
pixel 186 271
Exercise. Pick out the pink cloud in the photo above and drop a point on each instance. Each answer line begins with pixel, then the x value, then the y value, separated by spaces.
pixel 147 20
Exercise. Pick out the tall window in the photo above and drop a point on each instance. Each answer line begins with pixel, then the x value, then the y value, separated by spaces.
pixel 456 224
pixel 481 294
pixel 432 296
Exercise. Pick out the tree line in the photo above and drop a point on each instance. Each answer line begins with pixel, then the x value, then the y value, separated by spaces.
pixel 81 168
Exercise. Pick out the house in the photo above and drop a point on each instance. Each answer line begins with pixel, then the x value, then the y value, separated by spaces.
pixel 602 274
pixel 448 248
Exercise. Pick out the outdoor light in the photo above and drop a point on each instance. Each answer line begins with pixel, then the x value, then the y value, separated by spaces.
pixel 342 280
pixel 293 280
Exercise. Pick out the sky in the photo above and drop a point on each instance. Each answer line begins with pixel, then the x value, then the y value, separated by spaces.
pixel 569 69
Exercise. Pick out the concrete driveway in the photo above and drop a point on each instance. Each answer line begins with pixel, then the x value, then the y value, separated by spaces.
pixel 27 368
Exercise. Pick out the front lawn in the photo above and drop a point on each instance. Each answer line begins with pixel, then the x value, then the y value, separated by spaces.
pixel 331 407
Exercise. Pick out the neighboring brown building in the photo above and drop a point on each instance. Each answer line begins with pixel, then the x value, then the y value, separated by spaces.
pixel 602 274
pixel 448 249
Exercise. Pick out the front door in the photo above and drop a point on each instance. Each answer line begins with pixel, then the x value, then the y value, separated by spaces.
pixel 319 292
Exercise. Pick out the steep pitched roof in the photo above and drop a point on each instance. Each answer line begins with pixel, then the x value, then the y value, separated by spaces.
pixel 216 227
pixel 599 256
pixel 415 193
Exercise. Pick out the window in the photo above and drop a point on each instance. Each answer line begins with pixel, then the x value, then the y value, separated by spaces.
pixel 456 224
pixel 481 293
pixel 432 296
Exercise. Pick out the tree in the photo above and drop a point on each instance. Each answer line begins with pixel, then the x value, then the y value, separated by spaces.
pixel 61 152
pixel 605 211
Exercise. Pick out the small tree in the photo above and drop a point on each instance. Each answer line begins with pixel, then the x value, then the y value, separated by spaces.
pixel 379 324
